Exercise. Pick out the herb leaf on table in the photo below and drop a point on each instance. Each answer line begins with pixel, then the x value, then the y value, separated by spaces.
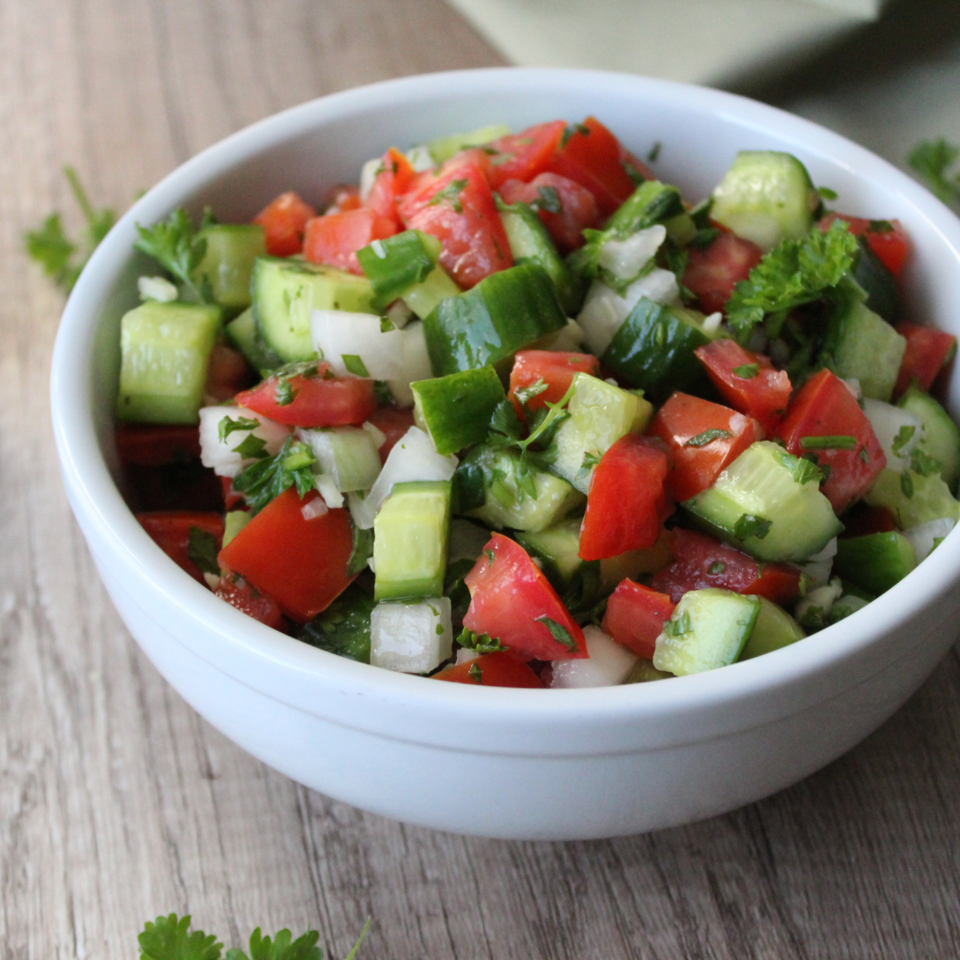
pixel 932 159
pixel 179 250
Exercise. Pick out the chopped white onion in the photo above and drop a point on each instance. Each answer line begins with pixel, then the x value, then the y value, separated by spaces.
pixel 887 422
pixel 853 385
pixel 411 637
pixel 347 454
pixel 626 258
pixel 465 655
pixel 221 455
pixel 328 490
pixel 378 437
pixel 568 339
pixel 399 314
pixel 822 598
pixel 414 364
pixel 413 457
pixel 368 176
pixel 420 158
pixel 924 537
pixel 338 334
pixel 606 665
pixel 818 568
pixel 157 288
pixel 711 324
pixel 314 508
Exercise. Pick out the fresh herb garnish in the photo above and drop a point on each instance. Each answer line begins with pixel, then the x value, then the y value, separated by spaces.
pixel 678 627
pixel 590 460
pixel 451 192
pixel 559 632
pixel 251 447
pixel 362 549
pixel 716 568
pixel 179 250
pixel 932 159
pixel 805 468
pixel 284 393
pixel 708 436
pixel 903 437
pixel 751 526
pixel 654 152
pixel 525 394
pixel 202 549
pixel 61 258
pixel 568 132
pixel 826 193
pixel 924 464
pixel 792 274
pixel 481 642
pixel 906 484
pixel 355 365
pixel 475 673
pixel 844 442
pixel 266 479
pixel 548 199
pixel 747 371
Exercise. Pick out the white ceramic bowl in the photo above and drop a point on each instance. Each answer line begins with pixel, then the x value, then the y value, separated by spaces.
pixel 559 764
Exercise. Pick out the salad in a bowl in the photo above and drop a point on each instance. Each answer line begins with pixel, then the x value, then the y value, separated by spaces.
pixel 512 411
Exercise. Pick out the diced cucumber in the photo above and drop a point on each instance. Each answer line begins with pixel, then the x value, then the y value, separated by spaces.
pixel 503 313
pixel 940 437
pixel 455 410
pixel 443 148
pixel 645 672
pixel 530 242
pixel 913 498
pixel 633 564
pixel 286 291
pixel 227 264
pixel 411 637
pixel 395 264
pixel 557 548
pixel 766 197
pixel 243 335
pixel 600 414
pixel 768 503
pixel 876 561
pixel 775 628
pixel 410 540
pixel 654 349
pixel 233 522
pixel 847 605
pixel 347 455
pixel 344 627
pixel 422 298
pixel 164 354
pixel 493 486
pixel 709 628
pixel 928 536
pixel 877 281
pixel 652 202
pixel 861 344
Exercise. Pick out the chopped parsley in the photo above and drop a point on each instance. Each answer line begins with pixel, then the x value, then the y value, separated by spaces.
pixel 202 549
pixel 548 199
pixel 580 128
pixel 844 442
pixel 750 526
pixel 475 673
pixel 747 371
pixel 481 642
pixel 903 437
pixel 267 478
pixel 932 159
pixel 678 627
pixel 179 250
pixel 708 436
pixel 716 568
pixel 451 193
pixel 354 365
pixel 654 152
pixel 559 633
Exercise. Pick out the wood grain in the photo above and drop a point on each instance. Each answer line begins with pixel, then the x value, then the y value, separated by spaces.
pixel 118 803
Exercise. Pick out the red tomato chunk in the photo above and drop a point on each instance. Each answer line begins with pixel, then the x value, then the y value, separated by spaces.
pixel 635 616
pixel 714 271
pixel 238 593
pixel 335 238
pixel 554 368
pixel 928 352
pixel 496 669
pixel 284 221
pixel 170 530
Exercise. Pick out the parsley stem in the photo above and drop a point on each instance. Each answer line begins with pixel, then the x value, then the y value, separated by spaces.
pixel 828 443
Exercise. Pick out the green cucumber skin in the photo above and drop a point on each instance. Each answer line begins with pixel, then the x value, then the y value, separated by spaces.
pixel 766 196
pixel 940 438
pixel 720 625
pixel 530 243
pixel 883 296
pixel 929 497
pixel 876 561
pixel 503 313
pixel 243 335
pixel 652 202
pixel 285 291
pixel 408 258
pixel 455 410
pixel 859 343
pixel 232 250
pixel 165 352
pixel 654 350
pixel 774 629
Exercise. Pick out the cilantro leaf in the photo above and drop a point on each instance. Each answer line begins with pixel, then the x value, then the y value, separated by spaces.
pixel 170 938
pixel 932 160
pixel 708 436
pixel 559 632
pixel 792 274
pixel 61 258
pixel 678 627
pixel 481 642
pixel 450 192
pixel 548 199
pixel 202 549
pixel 229 424
pixel 175 246
pixel 840 442
pixel 281 947
pixel 266 479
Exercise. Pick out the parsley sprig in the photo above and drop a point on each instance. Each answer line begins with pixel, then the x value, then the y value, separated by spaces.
pixel 175 245
pixel 932 159
pixel 170 938
pixel 63 258
pixel 792 274
pixel 268 477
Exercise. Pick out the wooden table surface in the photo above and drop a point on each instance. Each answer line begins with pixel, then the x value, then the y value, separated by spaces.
pixel 118 803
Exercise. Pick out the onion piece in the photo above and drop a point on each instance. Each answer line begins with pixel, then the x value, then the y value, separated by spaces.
pixel 606 665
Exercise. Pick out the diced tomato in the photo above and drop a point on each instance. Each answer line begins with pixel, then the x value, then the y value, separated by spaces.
pixel 714 271
pixel 521 156
pixel 343 198
pixel 457 207
pixel 891 245
pixel 393 179
pixel 283 221
pixel 335 238
pixel 512 600
pixel 301 563
pixel 863 520
pixel 701 562
pixel 555 369
pixel 170 530
pixel 321 400
pixel 497 669
pixel 825 407
pixel 704 439
pixel 231 499
pixel 156 445
pixel 635 616
pixel 227 373
pixel 593 157
pixel 928 352
pixel 627 502
pixel 247 599
pixel 394 423
pixel 565 208
pixel 763 394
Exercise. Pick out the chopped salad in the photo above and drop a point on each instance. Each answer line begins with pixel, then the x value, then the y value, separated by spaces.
pixel 511 411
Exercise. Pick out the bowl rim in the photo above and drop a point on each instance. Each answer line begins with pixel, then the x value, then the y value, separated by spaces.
pixel 104 516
